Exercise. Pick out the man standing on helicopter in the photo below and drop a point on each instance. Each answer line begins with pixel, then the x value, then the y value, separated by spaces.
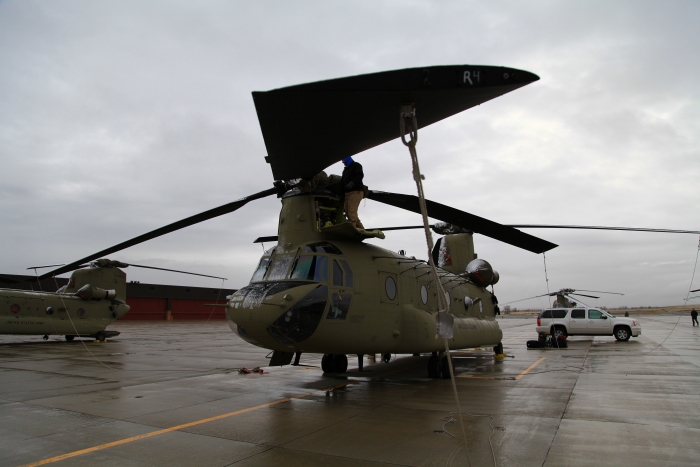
pixel 351 181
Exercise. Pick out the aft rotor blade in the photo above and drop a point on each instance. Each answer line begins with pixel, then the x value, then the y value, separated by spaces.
pixel 175 270
pixel 696 290
pixel 596 227
pixel 311 126
pixel 477 224
pixel 599 291
pixel 582 295
pixel 192 220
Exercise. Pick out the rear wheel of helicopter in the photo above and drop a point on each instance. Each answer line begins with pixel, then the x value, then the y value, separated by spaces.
pixel 386 357
pixel 340 363
pixel 433 367
pixel 327 363
pixel 70 338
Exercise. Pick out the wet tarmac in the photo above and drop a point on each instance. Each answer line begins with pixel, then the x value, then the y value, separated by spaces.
pixel 170 394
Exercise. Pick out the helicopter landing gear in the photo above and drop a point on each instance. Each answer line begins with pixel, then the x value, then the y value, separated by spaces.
pixel 297 356
pixel 46 337
pixel 334 363
pixel 438 367
pixel 386 357
pixel 360 362
pixel 70 338
pixel 100 337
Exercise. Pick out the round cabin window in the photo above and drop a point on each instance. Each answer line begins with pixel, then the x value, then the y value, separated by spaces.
pixel 424 294
pixel 390 288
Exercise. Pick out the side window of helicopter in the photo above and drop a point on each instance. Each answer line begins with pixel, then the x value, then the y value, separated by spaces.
pixel 340 305
pixel 424 294
pixel 390 288
pixel 312 268
pixel 342 274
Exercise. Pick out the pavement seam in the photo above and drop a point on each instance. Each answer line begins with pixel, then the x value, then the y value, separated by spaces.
pixel 568 400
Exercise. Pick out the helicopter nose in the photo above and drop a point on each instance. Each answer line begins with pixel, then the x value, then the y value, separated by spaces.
pixel 300 321
pixel 286 312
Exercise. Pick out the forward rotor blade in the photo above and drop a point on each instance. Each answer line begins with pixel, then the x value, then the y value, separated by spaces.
pixel 582 295
pixel 311 126
pixel 454 216
pixel 594 227
pixel 529 298
pixel 192 220
pixel 175 270
pixel 696 290
pixel 49 266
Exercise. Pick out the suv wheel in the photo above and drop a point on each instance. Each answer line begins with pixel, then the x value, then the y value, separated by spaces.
pixel 558 331
pixel 622 333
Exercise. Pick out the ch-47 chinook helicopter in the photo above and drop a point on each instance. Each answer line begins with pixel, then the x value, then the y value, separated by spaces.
pixel 565 297
pixel 321 289
pixel 93 298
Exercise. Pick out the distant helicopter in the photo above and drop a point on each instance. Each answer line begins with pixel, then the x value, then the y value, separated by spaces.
pixel 320 289
pixel 564 297
pixel 94 297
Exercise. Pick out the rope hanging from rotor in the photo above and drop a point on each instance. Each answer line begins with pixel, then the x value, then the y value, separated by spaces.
pixel 444 320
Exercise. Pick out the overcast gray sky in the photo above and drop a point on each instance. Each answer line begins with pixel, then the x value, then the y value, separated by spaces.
pixel 117 117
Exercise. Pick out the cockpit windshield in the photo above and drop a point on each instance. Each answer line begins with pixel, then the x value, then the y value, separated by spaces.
pixel 262 266
pixel 308 267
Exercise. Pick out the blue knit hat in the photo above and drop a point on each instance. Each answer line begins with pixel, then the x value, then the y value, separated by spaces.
pixel 347 161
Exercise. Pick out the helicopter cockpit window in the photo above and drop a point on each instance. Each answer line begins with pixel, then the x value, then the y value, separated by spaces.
pixel 312 268
pixel 322 247
pixel 342 274
pixel 337 274
pixel 262 267
pixel 279 268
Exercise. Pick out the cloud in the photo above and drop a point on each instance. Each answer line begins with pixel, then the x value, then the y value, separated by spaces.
pixel 117 118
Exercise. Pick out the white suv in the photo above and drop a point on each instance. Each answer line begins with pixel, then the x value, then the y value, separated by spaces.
pixel 586 322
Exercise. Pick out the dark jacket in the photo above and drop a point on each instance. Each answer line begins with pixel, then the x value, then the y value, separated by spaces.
pixel 353 173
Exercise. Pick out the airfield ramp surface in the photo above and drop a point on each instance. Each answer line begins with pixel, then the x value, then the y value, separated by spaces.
pixel 170 394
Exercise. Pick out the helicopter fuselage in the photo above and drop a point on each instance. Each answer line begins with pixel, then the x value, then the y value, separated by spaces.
pixel 65 312
pixel 318 292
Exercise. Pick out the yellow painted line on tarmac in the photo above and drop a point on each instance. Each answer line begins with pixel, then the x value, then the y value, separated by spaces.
pixel 151 434
pixel 516 337
pixel 530 368
pixel 207 420
pixel 178 427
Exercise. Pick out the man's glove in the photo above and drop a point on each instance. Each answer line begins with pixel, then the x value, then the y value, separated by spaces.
pixel 349 186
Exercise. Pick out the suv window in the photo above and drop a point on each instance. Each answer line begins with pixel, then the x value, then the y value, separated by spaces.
pixel 595 314
pixel 553 313
pixel 578 314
